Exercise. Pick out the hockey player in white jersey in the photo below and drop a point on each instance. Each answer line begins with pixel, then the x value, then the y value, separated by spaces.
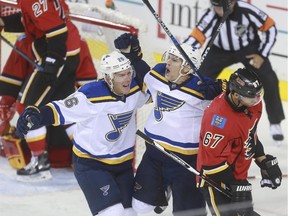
pixel 104 113
pixel 179 101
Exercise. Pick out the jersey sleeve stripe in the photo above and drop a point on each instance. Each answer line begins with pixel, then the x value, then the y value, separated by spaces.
pixel 58 117
pixel 10 81
pixel 120 157
pixel 267 25
pixel 35 139
pixel 56 32
pixel 199 36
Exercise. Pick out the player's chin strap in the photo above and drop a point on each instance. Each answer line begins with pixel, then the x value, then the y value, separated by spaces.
pixel 181 74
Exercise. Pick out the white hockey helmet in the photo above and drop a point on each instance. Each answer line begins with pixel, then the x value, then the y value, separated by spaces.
pixel 114 62
pixel 192 52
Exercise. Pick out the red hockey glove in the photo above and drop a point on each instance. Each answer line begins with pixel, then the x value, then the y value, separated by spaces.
pixel 270 171
pixel 129 46
pixel 7 111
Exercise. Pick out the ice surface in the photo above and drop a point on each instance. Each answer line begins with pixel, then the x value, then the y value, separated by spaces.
pixel 62 196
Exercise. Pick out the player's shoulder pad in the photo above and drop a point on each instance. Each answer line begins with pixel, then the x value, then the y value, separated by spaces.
pixel 95 89
pixel 160 68
pixel 135 87
pixel 159 71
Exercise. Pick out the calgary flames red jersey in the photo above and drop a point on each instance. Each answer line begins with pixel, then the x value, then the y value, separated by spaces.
pixel 228 138
pixel 48 17
pixel 17 68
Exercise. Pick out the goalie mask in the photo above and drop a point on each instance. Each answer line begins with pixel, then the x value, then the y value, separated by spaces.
pixel 114 63
pixel 247 84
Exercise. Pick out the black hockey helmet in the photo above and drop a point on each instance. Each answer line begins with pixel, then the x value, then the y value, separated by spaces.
pixel 217 3
pixel 246 83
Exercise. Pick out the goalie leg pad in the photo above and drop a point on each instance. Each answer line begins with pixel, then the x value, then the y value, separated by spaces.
pixel 13 151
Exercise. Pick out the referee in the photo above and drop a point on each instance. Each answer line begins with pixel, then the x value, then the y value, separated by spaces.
pixel 239 41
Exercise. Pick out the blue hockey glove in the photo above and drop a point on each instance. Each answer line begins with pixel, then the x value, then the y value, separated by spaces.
pixel 129 46
pixel 212 88
pixel 29 120
pixel 270 171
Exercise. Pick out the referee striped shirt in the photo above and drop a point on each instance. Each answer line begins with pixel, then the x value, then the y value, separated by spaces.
pixel 239 30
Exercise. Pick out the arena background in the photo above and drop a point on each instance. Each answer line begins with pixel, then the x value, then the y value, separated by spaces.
pixel 180 17
pixel 62 195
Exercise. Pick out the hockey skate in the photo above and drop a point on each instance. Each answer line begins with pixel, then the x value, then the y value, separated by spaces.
pixel 276 133
pixel 164 203
pixel 37 170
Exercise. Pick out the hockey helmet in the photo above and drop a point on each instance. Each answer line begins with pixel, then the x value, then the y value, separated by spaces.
pixel 114 62
pixel 192 52
pixel 219 3
pixel 246 83
pixel 216 3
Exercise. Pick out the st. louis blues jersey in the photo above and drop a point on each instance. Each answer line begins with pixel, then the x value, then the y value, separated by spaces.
pixel 178 109
pixel 105 123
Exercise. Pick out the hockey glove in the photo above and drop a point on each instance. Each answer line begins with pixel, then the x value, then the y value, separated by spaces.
pixel 212 88
pixel 270 171
pixel 242 197
pixel 51 67
pixel 29 120
pixel 6 109
pixel 129 46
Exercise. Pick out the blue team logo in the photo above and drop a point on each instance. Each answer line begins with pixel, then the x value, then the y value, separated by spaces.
pixel 218 121
pixel 119 122
pixel 165 103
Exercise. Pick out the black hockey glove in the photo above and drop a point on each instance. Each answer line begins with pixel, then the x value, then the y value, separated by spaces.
pixel 51 67
pixel 29 120
pixel 129 46
pixel 242 197
pixel 212 88
pixel 270 171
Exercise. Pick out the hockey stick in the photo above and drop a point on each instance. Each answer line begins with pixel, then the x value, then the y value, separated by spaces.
pixel 180 161
pixel 176 43
pixel 21 53
pixel 226 10
pixel 184 164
